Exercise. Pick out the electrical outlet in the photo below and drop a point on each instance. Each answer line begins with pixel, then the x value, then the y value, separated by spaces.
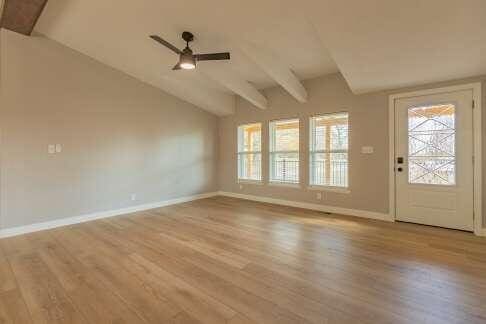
pixel 241 186
pixel 319 196
pixel 367 150
pixel 133 197
pixel 58 148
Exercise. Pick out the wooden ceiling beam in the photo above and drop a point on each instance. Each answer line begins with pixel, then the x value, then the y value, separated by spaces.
pixel 21 15
pixel 276 69
pixel 239 86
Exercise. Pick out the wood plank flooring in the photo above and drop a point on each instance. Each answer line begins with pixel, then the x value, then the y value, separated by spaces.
pixel 224 260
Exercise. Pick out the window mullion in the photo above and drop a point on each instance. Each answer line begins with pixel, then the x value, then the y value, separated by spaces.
pixel 330 151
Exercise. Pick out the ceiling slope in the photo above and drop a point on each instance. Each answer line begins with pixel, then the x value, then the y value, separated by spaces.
pixel 116 33
pixel 385 44
pixel 375 44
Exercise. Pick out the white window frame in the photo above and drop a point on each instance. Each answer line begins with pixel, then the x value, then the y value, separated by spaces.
pixel 312 152
pixel 241 153
pixel 273 152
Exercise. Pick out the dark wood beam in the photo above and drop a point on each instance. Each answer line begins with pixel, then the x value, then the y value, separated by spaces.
pixel 21 15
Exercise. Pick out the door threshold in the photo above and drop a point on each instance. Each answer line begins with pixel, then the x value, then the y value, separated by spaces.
pixel 435 226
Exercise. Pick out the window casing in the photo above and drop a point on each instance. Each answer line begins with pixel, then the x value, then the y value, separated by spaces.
pixel 250 152
pixel 328 151
pixel 284 151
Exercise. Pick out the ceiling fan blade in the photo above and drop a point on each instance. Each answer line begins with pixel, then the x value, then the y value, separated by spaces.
pixel 212 57
pixel 166 44
pixel 177 67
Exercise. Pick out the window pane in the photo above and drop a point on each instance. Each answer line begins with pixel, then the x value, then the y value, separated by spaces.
pixel 328 150
pixel 249 138
pixel 250 166
pixel 285 135
pixel 329 132
pixel 284 167
pixel 339 136
pixel 431 145
pixel 329 169
pixel 284 151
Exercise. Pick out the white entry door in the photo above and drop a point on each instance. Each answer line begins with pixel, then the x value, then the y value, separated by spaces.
pixel 434 160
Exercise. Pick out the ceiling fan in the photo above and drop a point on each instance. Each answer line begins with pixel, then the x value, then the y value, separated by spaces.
pixel 187 59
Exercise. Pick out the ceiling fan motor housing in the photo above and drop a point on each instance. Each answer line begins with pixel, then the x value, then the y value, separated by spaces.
pixel 187 36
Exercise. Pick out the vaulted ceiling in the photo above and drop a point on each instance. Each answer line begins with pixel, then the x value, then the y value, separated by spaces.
pixel 375 44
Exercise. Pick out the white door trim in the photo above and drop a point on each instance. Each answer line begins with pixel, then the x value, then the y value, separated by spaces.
pixel 476 88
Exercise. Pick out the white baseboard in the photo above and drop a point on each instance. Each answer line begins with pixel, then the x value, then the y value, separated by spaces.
pixel 322 208
pixel 13 231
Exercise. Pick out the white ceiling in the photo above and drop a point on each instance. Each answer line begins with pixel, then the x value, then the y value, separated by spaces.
pixel 385 44
pixel 375 44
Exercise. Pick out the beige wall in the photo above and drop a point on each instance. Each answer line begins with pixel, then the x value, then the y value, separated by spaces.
pixel 368 115
pixel 369 190
pixel 119 137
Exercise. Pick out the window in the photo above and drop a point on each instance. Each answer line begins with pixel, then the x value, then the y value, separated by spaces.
pixel 284 151
pixel 431 145
pixel 329 150
pixel 250 152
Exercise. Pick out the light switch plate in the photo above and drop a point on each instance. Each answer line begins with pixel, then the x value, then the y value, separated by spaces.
pixel 51 148
pixel 58 148
pixel 367 150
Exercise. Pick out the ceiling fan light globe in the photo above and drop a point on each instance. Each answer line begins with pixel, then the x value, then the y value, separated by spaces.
pixel 187 66
pixel 186 60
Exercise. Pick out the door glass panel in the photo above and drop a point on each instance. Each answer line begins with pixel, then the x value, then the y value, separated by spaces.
pixel 431 145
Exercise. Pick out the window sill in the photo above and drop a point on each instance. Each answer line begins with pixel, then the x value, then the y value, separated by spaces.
pixel 285 185
pixel 252 182
pixel 330 189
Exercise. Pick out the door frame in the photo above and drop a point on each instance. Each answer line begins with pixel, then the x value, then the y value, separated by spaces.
pixel 477 134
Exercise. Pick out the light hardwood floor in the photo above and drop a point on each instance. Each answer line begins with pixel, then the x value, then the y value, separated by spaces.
pixel 224 260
